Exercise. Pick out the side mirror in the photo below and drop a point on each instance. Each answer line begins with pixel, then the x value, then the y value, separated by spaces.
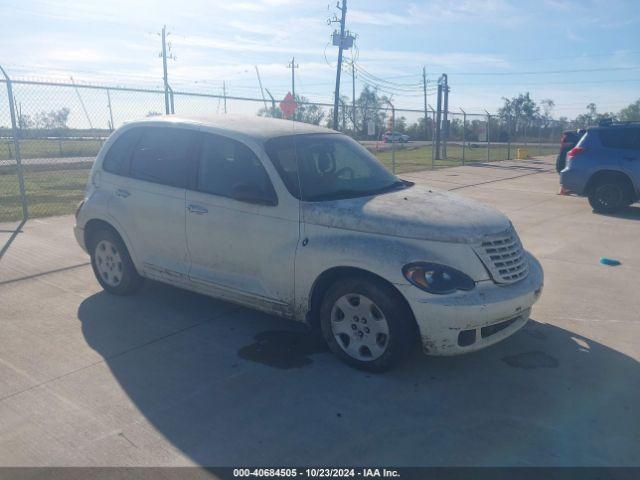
pixel 252 193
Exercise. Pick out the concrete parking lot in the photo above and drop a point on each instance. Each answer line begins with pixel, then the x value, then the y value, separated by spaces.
pixel 168 377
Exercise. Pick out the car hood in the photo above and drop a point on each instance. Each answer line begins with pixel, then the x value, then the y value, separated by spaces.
pixel 416 212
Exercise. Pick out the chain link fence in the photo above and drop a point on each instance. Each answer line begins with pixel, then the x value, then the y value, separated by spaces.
pixel 60 127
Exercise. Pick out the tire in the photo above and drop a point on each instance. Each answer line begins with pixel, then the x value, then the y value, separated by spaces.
pixel 609 195
pixel 367 324
pixel 112 263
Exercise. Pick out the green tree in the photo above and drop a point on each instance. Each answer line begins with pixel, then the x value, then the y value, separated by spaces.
pixel 53 119
pixel 306 111
pixel 592 116
pixel 519 111
pixel 631 113
pixel 547 106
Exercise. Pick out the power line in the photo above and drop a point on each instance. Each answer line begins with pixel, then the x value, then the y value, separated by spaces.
pixel 549 72
pixel 578 82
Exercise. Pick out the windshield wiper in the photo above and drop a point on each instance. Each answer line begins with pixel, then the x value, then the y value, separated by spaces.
pixel 344 193
pixel 348 193
pixel 387 188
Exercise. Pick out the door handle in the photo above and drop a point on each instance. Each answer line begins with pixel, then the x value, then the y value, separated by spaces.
pixel 197 209
pixel 630 158
pixel 122 193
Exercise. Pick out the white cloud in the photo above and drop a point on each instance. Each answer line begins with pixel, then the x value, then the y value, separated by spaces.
pixel 379 18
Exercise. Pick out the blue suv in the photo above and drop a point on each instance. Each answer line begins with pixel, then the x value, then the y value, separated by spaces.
pixel 605 166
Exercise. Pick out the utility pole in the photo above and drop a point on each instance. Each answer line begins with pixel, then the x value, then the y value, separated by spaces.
pixel 464 128
pixel 353 94
pixel 164 69
pixel 224 95
pixel 445 115
pixel 111 126
pixel 84 109
pixel 166 48
pixel 273 102
pixel 341 44
pixel 438 120
pixel 488 136
pixel 424 89
pixel 266 109
pixel 293 67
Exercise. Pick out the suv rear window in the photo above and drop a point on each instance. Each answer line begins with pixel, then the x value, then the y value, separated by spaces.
pixel 626 138
pixel 161 156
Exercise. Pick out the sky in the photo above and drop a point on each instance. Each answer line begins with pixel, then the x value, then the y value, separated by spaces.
pixel 571 51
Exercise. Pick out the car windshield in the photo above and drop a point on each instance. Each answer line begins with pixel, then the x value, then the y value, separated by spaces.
pixel 317 167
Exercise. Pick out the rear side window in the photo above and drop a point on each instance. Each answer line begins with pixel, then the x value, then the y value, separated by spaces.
pixel 161 156
pixel 625 138
pixel 118 155
pixel 224 164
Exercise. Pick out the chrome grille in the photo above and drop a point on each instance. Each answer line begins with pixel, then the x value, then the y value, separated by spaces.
pixel 504 257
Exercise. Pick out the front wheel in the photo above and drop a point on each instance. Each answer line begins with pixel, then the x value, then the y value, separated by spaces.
pixel 367 324
pixel 608 196
pixel 112 264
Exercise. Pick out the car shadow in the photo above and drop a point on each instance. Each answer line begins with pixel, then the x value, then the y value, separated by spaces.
pixel 228 386
pixel 632 212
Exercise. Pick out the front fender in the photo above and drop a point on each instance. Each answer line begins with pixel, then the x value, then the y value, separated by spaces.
pixel 384 256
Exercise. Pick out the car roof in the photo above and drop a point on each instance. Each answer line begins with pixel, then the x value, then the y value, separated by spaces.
pixel 255 127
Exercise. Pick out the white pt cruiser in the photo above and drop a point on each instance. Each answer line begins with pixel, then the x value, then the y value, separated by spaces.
pixel 303 222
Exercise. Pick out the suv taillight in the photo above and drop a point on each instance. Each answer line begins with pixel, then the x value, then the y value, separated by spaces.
pixel 575 151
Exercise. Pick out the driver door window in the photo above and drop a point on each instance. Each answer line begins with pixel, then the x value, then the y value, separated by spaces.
pixel 225 164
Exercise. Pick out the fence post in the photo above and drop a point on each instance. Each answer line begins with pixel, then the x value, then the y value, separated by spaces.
pixel 171 105
pixel 539 139
pixel 433 139
pixel 464 127
pixel 488 136
pixel 393 142
pixel 16 146
pixel 508 137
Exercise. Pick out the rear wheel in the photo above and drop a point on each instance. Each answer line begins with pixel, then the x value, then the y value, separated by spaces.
pixel 112 264
pixel 609 195
pixel 366 324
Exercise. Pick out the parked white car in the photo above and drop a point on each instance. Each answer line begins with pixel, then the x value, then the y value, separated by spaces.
pixel 303 222
pixel 398 137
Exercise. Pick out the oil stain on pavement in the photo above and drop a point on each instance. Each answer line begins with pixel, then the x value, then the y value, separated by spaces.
pixel 531 360
pixel 283 349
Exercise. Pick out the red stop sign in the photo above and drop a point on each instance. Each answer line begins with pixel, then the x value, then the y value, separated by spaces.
pixel 288 105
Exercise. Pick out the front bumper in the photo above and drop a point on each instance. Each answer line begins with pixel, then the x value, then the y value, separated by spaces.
pixel 468 321
pixel 79 234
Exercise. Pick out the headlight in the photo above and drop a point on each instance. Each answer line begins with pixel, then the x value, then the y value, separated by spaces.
pixel 434 278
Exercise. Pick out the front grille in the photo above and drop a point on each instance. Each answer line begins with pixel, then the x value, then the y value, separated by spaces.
pixel 504 257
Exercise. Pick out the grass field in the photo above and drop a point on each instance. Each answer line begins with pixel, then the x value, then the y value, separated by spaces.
pixel 411 159
pixel 57 189
pixel 49 192
pixel 51 148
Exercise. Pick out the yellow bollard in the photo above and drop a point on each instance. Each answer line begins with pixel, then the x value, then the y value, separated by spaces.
pixel 522 153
